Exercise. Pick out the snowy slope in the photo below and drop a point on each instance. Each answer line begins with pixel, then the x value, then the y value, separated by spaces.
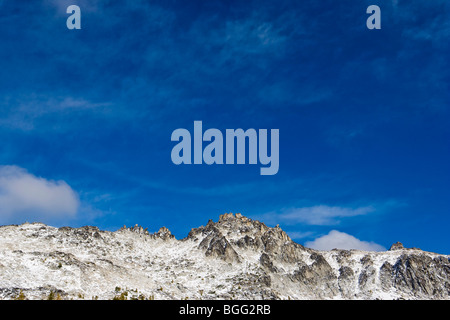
pixel 234 258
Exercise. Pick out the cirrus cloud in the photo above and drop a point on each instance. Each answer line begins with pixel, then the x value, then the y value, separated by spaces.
pixel 318 215
pixel 25 196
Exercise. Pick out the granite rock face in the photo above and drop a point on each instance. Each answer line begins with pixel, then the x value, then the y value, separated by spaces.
pixel 233 258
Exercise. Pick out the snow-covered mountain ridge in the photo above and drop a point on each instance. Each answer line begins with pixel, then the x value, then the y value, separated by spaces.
pixel 234 258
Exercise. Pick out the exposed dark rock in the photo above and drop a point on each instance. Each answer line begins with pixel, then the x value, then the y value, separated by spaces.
pixel 345 273
pixel 396 246
pixel 221 248
pixel 164 234
pixel 421 275
pixel 267 263
pixel 345 280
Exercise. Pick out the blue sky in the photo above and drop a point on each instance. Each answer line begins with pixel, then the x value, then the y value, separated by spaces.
pixel 86 116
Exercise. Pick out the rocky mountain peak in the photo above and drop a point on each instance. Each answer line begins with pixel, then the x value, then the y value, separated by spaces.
pixel 237 225
pixel 163 233
pixel 234 232
pixel 396 246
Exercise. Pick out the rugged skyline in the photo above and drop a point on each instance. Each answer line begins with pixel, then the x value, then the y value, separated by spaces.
pixel 233 258
pixel 86 116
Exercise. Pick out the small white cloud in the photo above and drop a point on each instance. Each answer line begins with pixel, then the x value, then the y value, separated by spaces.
pixel 341 240
pixel 25 196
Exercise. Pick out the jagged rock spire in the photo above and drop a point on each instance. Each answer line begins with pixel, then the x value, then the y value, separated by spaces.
pixel 397 246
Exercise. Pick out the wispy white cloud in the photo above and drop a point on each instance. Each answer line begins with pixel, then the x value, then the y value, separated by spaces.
pixel 251 36
pixel 316 215
pixel 341 240
pixel 24 196
pixel 32 111
pixel 299 235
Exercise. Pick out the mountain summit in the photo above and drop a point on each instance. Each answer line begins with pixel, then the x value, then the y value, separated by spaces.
pixel 233 258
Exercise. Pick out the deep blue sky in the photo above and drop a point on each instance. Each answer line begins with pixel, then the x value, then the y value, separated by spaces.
pixel 363 114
